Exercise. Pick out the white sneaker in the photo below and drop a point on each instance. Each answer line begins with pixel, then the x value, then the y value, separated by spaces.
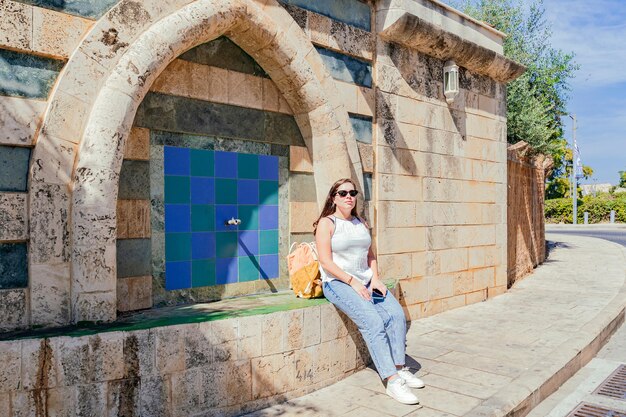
pixel 411 380
pixel 399 391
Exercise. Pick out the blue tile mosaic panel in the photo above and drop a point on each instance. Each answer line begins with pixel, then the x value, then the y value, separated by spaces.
pixel 352 12
pixel 203 190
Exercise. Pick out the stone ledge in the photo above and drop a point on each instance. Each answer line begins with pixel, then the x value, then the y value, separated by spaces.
pixel 416 33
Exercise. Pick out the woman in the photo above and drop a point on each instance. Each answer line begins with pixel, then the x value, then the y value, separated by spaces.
pixel 351 282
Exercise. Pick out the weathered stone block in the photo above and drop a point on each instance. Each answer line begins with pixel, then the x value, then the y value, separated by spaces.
pixel 463 282
pixel 49 293
pixel 155 396
pixel 440 286
pixel 245 90
pixel 10 358
pixel 453 302
pixel 273 328
pixel 133 219
pixel 453 260
pixel 412 291
pixel 301 216
pixel 16 25
pixel 218 85
pixel 239 382
pixel 134 257
pixel 170 350
pixel 49 234
pixel 285 376
pixel 107 353
pixel 476 296
pixel 19 119
pixel 123 397
pixel 396 214
pixel 399 188
pixel 294 331
pixel 91 399
pixel 302 188
pixel 198 345
pixel 38 364
pixel 57 33
pixel 250 337
pixel 306 361
pixel 312 326
pixel 484 278
pixel 134 293
pixel 138 144
pixel 300 159
pixel 74 363
pixel 94 307
pixel 395 266
pixel 334 327
pixel 399 240
pixel 140 354
pixel 425 263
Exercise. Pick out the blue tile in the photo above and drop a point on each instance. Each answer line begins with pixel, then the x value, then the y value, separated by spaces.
pixel 202 190
pixel 134 257
pixel 248 243
pixel 86 8
pixel 225 191
pixel 225 164
pixel 269 266
pixel 248 192
pixel 226 271
pixel 134 180
pixel 247 166
pixel 222 214
pixel 268 192
pixel 367 185
pixel 177 247
pixel 345 68
pixel 268 217
pixel 362 127
pixel 24 75
pixel 14 168
pixel 226 244
pixel 202 272
pixel 202 218
pixel 352 12
pixel 13 265
pixel 177 161
pixel 268 167
pixel 202 164
pixel 177 190
pixel 177 218
pixel 177 275
pixel 202 245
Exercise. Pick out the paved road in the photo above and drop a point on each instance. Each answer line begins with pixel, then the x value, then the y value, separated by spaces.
pixel 615 233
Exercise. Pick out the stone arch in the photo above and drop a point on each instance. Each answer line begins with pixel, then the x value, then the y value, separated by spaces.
pixel 77 159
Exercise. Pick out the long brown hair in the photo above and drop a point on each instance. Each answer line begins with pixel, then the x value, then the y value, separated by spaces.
pixel 329 206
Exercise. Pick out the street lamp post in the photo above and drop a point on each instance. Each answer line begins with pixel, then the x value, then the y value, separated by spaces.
pixel 574 169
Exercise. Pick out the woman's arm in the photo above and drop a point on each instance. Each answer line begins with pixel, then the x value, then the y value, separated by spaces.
pixel 325 257
pixel 372 262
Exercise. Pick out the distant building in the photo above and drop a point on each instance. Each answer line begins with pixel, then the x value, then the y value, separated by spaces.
pixel 595 188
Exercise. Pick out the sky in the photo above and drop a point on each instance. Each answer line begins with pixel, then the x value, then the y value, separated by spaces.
pixel 595 31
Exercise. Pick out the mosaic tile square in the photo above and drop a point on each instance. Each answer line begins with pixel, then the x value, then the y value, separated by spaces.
pixel 225 191
pixel 177 218
pixel 177 275
pixel 202 245
pixel 202 218
pixel 269 266
pixel 248 243
pixel 202 163
pixel 268 192
pixel 13 265
pixel 202 190
pixel 226 271
pixel 268 167
pixel 268 217
pixel 202 272
pixel 226 244
pixel 249 216
pixel 14 168
pixel 248 166
pixel 225 164
pixel 177 247
pixel 248 192
pixel 268 242
pixel 176 190
pixel 222 214
pixel 176 160
pixel 248 268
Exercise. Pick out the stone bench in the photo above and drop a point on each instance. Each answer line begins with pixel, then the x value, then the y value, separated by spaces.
pixel 222 358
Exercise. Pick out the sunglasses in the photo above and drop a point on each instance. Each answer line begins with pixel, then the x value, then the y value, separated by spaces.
pixel 343 193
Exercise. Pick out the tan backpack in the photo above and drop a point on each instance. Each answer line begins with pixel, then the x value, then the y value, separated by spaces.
pixel 304 270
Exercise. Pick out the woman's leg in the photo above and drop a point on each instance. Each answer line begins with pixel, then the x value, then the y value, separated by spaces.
pixel 369 322
pixel 394 319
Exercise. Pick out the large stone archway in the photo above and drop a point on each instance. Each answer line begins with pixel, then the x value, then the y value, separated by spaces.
pixel 77 159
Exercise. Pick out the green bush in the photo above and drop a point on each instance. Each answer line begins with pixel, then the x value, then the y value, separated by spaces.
pixel 559 210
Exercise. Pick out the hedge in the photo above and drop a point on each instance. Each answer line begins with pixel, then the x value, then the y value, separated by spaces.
pixel 559 210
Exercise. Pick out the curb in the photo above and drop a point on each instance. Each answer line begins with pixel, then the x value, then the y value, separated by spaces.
pixel 520 396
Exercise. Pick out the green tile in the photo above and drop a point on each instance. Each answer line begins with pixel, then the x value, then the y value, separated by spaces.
pixel 268 244
pixel 13 265
pixel 225 191
pixel 202 218
pixel 203 273
pixel 176 190
pixel 25 75
pixel 14 168
pixel 226 244
pixel 248 166
pixel 177 247
pixel 248 268
pixel 268 192
pixel 249 216
pixel 202 163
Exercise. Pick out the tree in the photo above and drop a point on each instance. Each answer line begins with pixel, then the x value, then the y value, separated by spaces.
pixel 560 186
pixel 622 179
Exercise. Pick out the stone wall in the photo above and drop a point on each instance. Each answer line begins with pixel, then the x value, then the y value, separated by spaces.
pixel 525 211
pixel 223 367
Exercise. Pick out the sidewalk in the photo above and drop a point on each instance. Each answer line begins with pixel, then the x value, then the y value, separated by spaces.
pixel 499 357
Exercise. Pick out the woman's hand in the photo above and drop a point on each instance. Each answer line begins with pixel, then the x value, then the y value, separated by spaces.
pixel 377 284
pixel 360 289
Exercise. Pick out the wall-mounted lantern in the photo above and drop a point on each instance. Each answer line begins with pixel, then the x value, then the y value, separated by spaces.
pixel 450 81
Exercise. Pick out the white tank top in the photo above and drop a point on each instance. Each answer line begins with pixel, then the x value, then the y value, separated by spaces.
pixel 349 247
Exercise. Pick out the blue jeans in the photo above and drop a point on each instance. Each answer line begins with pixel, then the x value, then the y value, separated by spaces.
pixel 381 322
